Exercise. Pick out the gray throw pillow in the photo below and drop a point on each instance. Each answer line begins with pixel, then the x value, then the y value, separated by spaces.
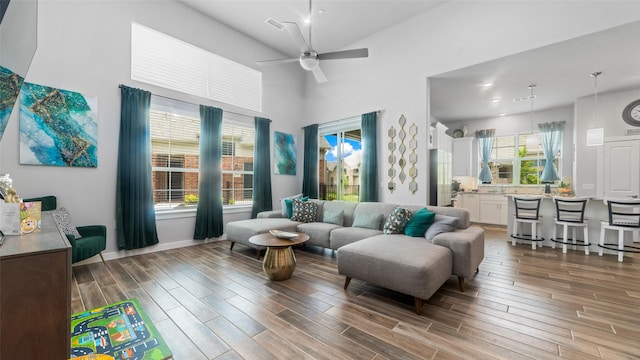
pixel 284 206
pixel 304 211
pixel 442 223
pixel 63 219
pixel 367 221
pixel 396 221
pixel 333 217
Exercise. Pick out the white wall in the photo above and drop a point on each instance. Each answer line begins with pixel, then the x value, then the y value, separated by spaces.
pixel 521 124
pixel 84 46
pixel 454 35
pixel 589 159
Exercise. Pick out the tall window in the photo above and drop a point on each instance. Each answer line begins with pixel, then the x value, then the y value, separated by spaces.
pixel 340 155
pixel 513 163
pixel 175 157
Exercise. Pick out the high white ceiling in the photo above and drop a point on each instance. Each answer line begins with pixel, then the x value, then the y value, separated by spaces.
pixel 560 71
pixel 342 22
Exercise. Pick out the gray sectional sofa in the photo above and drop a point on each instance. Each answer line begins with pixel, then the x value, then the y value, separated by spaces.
pixel 412 265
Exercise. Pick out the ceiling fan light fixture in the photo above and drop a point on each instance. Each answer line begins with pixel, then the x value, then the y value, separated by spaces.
pixel 309 61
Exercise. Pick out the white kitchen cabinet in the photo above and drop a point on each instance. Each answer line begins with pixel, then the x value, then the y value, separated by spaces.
pixel 622 167
pixel 439 139
pixel 470 202
pixel 492 209
pixel 465 155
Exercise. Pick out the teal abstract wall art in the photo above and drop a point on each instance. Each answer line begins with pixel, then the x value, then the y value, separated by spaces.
pixel 57 127
pixel 10 84
pixel 285 153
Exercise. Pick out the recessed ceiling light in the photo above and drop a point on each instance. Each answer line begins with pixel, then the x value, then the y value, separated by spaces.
pixel 495 100
pixel 487 84
pixel 502 114
pixel 320 11
pixel 306 20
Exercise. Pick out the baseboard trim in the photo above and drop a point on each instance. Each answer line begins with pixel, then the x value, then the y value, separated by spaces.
pixel 113 255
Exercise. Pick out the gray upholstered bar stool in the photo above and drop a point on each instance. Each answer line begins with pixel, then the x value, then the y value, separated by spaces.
pixel 527 212
pixel 624 215
pixel 570 214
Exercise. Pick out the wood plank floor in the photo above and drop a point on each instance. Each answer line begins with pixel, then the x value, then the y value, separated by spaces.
pixel 210 303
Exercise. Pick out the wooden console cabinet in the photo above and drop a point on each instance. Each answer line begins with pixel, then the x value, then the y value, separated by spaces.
pixel 35 294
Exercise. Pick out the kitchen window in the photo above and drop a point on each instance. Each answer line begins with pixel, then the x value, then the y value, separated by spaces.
pixel 512 163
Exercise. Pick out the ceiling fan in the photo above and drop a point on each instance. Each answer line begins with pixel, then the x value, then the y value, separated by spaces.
pixel 310 59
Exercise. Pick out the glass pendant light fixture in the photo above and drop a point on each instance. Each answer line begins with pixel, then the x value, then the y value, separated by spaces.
pixel 595 135
pixel 532 141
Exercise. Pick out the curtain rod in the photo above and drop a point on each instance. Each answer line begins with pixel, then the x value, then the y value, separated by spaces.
pixel 190 103
pixel 346 118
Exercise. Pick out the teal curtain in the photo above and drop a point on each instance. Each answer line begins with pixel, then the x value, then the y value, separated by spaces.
pixel 261 168
pixel 369 163
pixel 209 211
pixel 135 214
pixel 310 171
pixel 485 141
pixel 551 145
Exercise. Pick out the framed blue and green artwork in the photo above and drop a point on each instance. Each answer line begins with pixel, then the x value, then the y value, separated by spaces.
pixel 10 84
pixel 57 127
pixel 285 153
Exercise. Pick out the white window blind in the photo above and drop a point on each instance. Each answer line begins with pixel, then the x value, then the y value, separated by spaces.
pixel 162 60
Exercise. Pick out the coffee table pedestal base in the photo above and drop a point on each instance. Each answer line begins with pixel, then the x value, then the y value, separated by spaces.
pixel 279 263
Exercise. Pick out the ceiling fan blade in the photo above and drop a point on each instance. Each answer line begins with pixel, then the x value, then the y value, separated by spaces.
pixel 276 62
pixel 319 75
pixel 345 54
pixel 296 34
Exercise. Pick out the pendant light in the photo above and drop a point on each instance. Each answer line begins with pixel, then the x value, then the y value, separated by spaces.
pixel 532 139
pixel 595 135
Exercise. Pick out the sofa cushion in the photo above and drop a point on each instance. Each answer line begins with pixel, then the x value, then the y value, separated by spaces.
pixel 240 231
pixel 318 232
pixel 406 264
pixel 461 214
pixel 346 235
pixel 283 203
pixel 441 223
pixel 304 211
pixel 467 247
pixel 374 208
pixel 333 217
pixel 368 221
pixel 347 207
pixel 289 205
pixel 419 222
pixel 397 220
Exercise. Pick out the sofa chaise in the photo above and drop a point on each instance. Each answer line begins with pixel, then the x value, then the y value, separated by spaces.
pixel 412 265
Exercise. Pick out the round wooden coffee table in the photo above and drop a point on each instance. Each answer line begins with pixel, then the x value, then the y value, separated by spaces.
pixel 279 261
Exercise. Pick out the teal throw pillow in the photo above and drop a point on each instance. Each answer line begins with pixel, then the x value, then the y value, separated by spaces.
pixel 333 217
pixel 304 211
pixel 419 223
pixel 367 221
pixel 289 205
pixel 396 221
pixel 283 204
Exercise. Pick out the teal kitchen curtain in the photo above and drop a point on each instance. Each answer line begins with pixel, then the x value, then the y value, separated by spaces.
pixel 209 212
pixel 369 164
pixel 135 214
pixel 310 167
pixel 261 168
pixel 485 141
pixel 551 145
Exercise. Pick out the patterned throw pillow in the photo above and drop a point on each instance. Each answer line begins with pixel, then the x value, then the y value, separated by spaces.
pixel 63 219
pixel 396 221
pixel 304 211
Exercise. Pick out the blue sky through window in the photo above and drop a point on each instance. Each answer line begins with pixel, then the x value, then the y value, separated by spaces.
pixel 349 147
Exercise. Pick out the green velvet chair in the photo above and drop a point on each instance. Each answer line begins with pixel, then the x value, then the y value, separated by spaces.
pixel 93 240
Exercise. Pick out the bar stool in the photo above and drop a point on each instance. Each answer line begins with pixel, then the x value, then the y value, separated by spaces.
pixel 527 212
pixel 624 215
pixel 570 214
